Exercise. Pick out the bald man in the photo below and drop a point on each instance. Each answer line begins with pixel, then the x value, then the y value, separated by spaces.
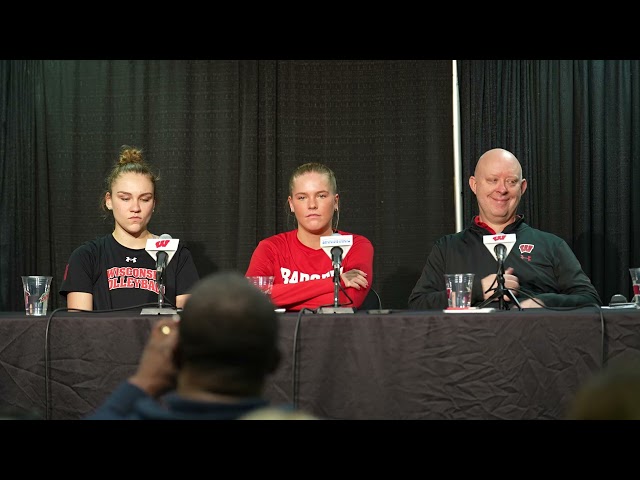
pixel 541 270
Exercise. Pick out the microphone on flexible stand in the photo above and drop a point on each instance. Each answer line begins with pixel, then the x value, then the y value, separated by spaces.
pixel 336 256
pixel 162 250
pixel 502 245
pixel 335 246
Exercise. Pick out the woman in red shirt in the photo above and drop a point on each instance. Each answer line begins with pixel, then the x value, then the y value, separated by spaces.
pixel 302 271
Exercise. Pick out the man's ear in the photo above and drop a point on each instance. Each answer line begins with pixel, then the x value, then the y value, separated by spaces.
pixel 473 183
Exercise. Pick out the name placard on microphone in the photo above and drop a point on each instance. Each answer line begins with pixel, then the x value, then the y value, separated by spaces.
pixel 155 245
pixel 506 239
pixel 336 244
pixel 336 241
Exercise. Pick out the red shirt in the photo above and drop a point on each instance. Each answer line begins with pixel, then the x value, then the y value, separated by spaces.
pixel 303 277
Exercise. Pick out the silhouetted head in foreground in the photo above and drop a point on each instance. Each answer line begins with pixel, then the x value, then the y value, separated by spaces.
pixel 228 340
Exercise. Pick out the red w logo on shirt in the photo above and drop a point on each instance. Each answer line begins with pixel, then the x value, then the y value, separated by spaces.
pixel 525 248
pixel 162 243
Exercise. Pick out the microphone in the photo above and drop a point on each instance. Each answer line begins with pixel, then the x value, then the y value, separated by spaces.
pixel 501 252
pixel 336 257
pixel 161 261
pixel 162 250
pixel 500 244
pixel 336 247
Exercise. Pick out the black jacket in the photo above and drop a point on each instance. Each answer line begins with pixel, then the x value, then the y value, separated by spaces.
pixel 546 268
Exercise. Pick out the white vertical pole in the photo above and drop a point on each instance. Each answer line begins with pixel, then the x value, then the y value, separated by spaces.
pixel 457 160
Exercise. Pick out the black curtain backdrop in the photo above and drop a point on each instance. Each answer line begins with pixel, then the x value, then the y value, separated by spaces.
pixel 575 126
pixel 224 136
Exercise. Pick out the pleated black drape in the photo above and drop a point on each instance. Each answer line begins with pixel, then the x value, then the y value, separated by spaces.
pixel 224 137
pixel 26 234
pixel 574 125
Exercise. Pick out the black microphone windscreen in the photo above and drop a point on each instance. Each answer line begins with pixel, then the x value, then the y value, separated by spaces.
pixel 162 257
pixel 336 256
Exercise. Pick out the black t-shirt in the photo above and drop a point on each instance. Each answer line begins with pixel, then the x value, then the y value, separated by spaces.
pixel 121 277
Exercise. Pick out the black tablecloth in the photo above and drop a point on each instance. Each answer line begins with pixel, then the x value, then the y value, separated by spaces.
pixel 406 365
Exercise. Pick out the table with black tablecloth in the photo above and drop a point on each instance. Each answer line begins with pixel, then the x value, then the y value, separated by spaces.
pixel 403 365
